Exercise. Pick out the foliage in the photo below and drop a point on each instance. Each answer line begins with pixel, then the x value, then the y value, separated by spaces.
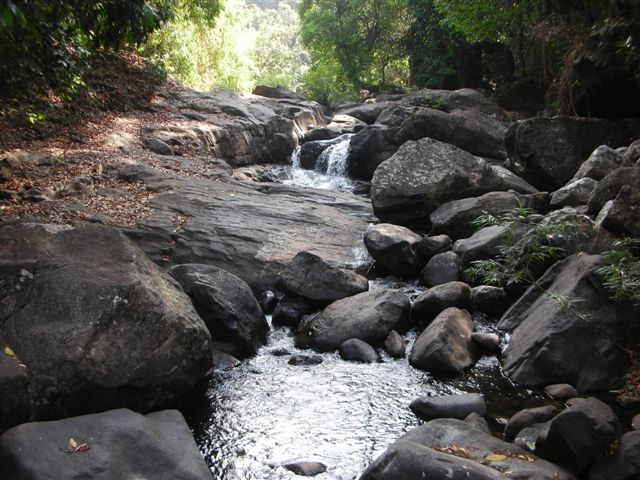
pixel 517 259
pixel 364 40
pixel 621 274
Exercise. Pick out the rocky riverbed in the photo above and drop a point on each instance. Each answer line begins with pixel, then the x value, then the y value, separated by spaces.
pixel 338 331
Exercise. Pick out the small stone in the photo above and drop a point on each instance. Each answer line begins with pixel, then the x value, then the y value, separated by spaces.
pixel 527 417
pixel 356 350
pixel 561 391
pixel 635 422
pixel 430 246
pixel 158 146
pixel 489 342
pixel 395 345
pixel 268 301
pixel 449 406
pixel 488 299
pixel 306 469
pixel 298 360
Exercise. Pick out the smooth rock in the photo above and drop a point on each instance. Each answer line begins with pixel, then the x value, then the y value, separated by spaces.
pixel 573 194
pixel 624 464
pixel 527 417
pixel 306 469
pixel 306 360
pixel 116 444
pixel 488 342
pixel 580 433
pixel 94 322
pixel 440 269
pixel 395 345
pixel 368 316
pixel 561 391
pixel 445 346
pixel 609 187
pixel 432 245
pixel 436 299
pixel 484 244
pixel 602 161
pixel 310 277
pixel 635 422
pixel 290 310
pixel 356 350
pixel 622 214
pixel 227 306
pixel 478 422
pixel 396 248
pixel 489 299
pixel 268 302
pixel 449 406
pixel 423 453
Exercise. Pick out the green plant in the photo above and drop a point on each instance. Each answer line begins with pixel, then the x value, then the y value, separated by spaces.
pixel 621 274
pixel 526 245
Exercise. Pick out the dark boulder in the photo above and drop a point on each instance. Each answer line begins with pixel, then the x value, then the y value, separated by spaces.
pixel 602 161
pixel 424 174
pixel 369 316
pixel 268 302
pixel 368 149
pixel 566 329
pixel 478 422
pixel 449 406
pixel 445 346
pixel 91 324
pixel 356 350
pixel 290 310
pixel 574 194
pixel 306 469
pixel 624 464
pixel 310 151
pixel 116 444
pixel 276 92
pixel 561 391
pixel 227 306
pixel 551 150
pixel 622 214
pixel 366 112
pixel 456 450
pixel 484 244
pixel 395 345
pixel 487 342
pixel 580 433
pixel 310 277
pixel 432 245
pixel 440 269
pixel 527 417
pixel 488 299
pixel 609 187
pixel 305 360
pixel 455 218
pixel 436 299
pixel 396 248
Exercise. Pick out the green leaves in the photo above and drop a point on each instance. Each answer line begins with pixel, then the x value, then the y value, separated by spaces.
pixel 621 274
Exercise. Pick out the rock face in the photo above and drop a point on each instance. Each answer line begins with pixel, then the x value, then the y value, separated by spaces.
pixel 623 464
pixel 426 452
pixel 119 444
pixel 571 333
pixel 396 248
pixel 445 346
pixel 552 150
pixel 227 306
pixel 368 316
pixel 423 175
pixel 579 434
pixel 250 230
pixel 92 325
pixel 241 129
pixel 310 277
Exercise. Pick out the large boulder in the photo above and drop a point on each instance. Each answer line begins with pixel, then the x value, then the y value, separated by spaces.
pixel 552 150
pixel 368 149
pixel 366 112
pixel 423 175
pixel 117 444
pixel 622 214
pixel 579 434
pixel 527 417
pixel 573 194
pixel 454 449
pixel 609 187
pixel 227 306
pixel 455 218
pixel 310 277
pixel 602 161
pixel 436 299
pixel 88 323
pixel 624 464
pixel 396 248
pixel 566 329
pixel 368 316
pixel 440 269
pixel 445 346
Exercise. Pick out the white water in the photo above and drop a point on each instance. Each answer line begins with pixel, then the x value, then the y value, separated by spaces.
pixel 336 179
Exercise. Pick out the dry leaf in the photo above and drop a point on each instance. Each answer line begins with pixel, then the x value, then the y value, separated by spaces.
pixel 73 444
pixel 83 447
pixel 496 457
pixel 9 351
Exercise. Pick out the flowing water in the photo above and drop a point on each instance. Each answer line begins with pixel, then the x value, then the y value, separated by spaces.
pixel 335 160
pixel 266 412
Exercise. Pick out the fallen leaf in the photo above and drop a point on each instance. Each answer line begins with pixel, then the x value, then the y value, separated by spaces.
pixel 83 447
pixel 73 444
pixel 9 351
pixel 496 457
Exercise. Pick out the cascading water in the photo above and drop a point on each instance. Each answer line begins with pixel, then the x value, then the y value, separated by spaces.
pixel 335 178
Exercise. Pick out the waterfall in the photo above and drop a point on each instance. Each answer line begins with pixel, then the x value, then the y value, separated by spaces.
pixel 335 178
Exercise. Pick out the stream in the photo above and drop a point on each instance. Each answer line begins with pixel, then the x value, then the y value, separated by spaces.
pixel 266 412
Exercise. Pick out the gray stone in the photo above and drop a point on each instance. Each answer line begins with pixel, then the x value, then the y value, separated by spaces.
pixel 395 345
pixel 432 245
pixel 624 464
pixel 478 422
pixel 527 417
pixel 305 360
pixel 426 452
pixel 356 350
pixel 445 346
pixel 449 406
pixel 424 174
pixel 116 444
pixel 368 149
pixel 488 342
pixel 306 469
pixel 489 299
pixel 609 187
pixel 369 316
pixel 622 214
pixel 395 248
pixel 158 146
pixel 561 391
pixel 579 434
pixel 600 163
pixel 227 306
pixel 441 268
pixel 86 297
pixel 290 310
pixel 310 277
pixel 366 112
pixel 511 181
pixel 485 243
pixel 436 299
pixel 556 337
pixel 573 194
